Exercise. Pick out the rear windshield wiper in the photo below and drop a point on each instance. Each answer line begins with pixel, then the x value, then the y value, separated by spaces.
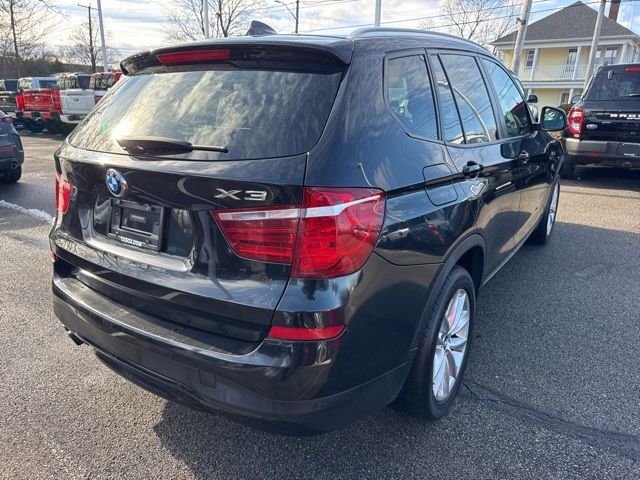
pixel 634 95
pixel 142 145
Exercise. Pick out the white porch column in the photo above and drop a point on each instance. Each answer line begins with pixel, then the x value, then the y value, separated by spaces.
pixel 623 54
pixel 536 51
pixel 529 92
pixel 571 92
pixel 576 64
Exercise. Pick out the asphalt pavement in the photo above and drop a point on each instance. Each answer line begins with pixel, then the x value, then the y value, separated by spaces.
pixel 551 392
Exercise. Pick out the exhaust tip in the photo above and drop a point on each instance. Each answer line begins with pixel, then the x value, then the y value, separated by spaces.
pixel 13 165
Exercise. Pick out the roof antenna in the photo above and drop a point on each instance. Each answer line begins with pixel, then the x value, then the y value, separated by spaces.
pixel 258 28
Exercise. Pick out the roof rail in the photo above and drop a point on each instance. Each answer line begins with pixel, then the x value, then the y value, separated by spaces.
pixel 364 30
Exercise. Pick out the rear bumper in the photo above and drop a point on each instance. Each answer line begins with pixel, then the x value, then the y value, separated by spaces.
pixel 599 152
pixel 34 115
pixel 180 364
pixel 72 118
pixel 12 162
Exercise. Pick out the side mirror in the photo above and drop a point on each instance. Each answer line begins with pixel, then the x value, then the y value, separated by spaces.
pixel 553 119
pixel 575 99
pixel 532 99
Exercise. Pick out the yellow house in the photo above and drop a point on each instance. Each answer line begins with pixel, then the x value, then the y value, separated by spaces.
pixel 556 51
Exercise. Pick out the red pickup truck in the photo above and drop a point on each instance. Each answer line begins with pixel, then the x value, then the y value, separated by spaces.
pixel 38 104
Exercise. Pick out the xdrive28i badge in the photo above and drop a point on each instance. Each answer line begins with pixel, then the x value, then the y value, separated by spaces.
pixel 116 183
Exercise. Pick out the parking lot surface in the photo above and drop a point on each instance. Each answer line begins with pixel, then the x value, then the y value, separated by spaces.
pixel 552 388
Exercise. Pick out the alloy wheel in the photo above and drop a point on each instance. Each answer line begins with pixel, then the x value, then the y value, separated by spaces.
pixel 553 208
pixel 451 345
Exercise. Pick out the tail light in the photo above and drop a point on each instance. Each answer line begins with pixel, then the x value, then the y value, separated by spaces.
pixel 632 69
pixel 332 234
pixel 302 334
pixel 575 118
pixel 63 194
pixel 20 102
pixel 97 98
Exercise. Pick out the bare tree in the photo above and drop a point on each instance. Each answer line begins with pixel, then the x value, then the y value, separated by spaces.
pixel 84 45
pixel 23 28
pixel 226 17
pixel 482 21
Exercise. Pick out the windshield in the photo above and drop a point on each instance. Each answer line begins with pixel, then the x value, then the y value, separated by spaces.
pixel 613 85
pixel 253 113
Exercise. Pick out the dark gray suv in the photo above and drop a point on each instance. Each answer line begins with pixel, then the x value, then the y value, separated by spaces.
pixel 297 227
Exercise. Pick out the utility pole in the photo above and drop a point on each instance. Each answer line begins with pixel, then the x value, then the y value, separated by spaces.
pixel 205 14
pixel 378 12
pixel 594 43
pixel 296 15
pixel 16 52
pixel 105 60
pixel 92 51
pixel 520 36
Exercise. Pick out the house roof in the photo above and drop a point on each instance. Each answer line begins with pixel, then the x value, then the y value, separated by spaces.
pixel 574 21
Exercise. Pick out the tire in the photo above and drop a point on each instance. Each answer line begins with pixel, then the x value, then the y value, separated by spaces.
pixel 568 168
pixel 52 127
pixel 34 127
pixel 542 234
pixel 12 176
pixel 418 396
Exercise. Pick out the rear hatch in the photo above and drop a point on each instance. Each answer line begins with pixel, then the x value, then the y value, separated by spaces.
pixel 612 105
pixel 193 134
pixel 76 101
pixel 41 100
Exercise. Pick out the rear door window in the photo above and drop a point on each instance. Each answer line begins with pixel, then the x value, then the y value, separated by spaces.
pixel 409 95
pixel 449 119
pixel 252 113
pixel 512 104
pixel 472 98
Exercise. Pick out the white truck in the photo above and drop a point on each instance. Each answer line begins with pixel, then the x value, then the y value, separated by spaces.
pixel 76 97
pixel 80 94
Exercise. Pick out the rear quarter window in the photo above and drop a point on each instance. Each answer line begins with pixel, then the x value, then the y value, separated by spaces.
pixel 409 95
pixel 253 113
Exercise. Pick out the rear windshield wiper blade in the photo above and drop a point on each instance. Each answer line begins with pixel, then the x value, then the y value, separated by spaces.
pixel 142 145
pixel 634 95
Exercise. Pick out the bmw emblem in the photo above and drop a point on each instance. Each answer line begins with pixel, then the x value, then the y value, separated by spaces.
pixel 116 183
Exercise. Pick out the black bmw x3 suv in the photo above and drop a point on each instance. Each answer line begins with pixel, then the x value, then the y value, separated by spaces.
pixel 296 227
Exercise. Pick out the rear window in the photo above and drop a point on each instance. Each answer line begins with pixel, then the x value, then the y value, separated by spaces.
pixel 102 81
pixel 75 81
pixel 609 84
pixel 9 85
pixel 253 113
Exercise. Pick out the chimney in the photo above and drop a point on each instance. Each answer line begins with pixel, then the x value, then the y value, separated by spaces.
pixel 613 10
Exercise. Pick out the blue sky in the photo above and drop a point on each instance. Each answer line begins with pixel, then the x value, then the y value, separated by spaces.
pixel 139 24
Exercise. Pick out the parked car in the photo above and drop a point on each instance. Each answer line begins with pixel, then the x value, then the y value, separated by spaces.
pixel 76 97
pixel 38 104
pixel 297 227
pixel 101 82
pixel 604 126
pixel 8 94
pixel 11 151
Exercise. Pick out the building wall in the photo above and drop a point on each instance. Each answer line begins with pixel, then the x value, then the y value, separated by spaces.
pixel 550 97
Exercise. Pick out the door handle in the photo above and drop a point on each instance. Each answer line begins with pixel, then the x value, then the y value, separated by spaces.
pixel 471 169
pixel 523 156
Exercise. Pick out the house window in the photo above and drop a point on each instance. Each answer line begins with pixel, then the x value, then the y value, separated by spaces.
pixel 571 57
pixel 564 98
pixel 610 55
pixel 530 55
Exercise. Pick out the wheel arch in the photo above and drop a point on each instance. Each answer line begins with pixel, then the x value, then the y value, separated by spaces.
pixel 470 255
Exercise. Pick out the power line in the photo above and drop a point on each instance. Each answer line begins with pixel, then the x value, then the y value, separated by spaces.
pixel 404 20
